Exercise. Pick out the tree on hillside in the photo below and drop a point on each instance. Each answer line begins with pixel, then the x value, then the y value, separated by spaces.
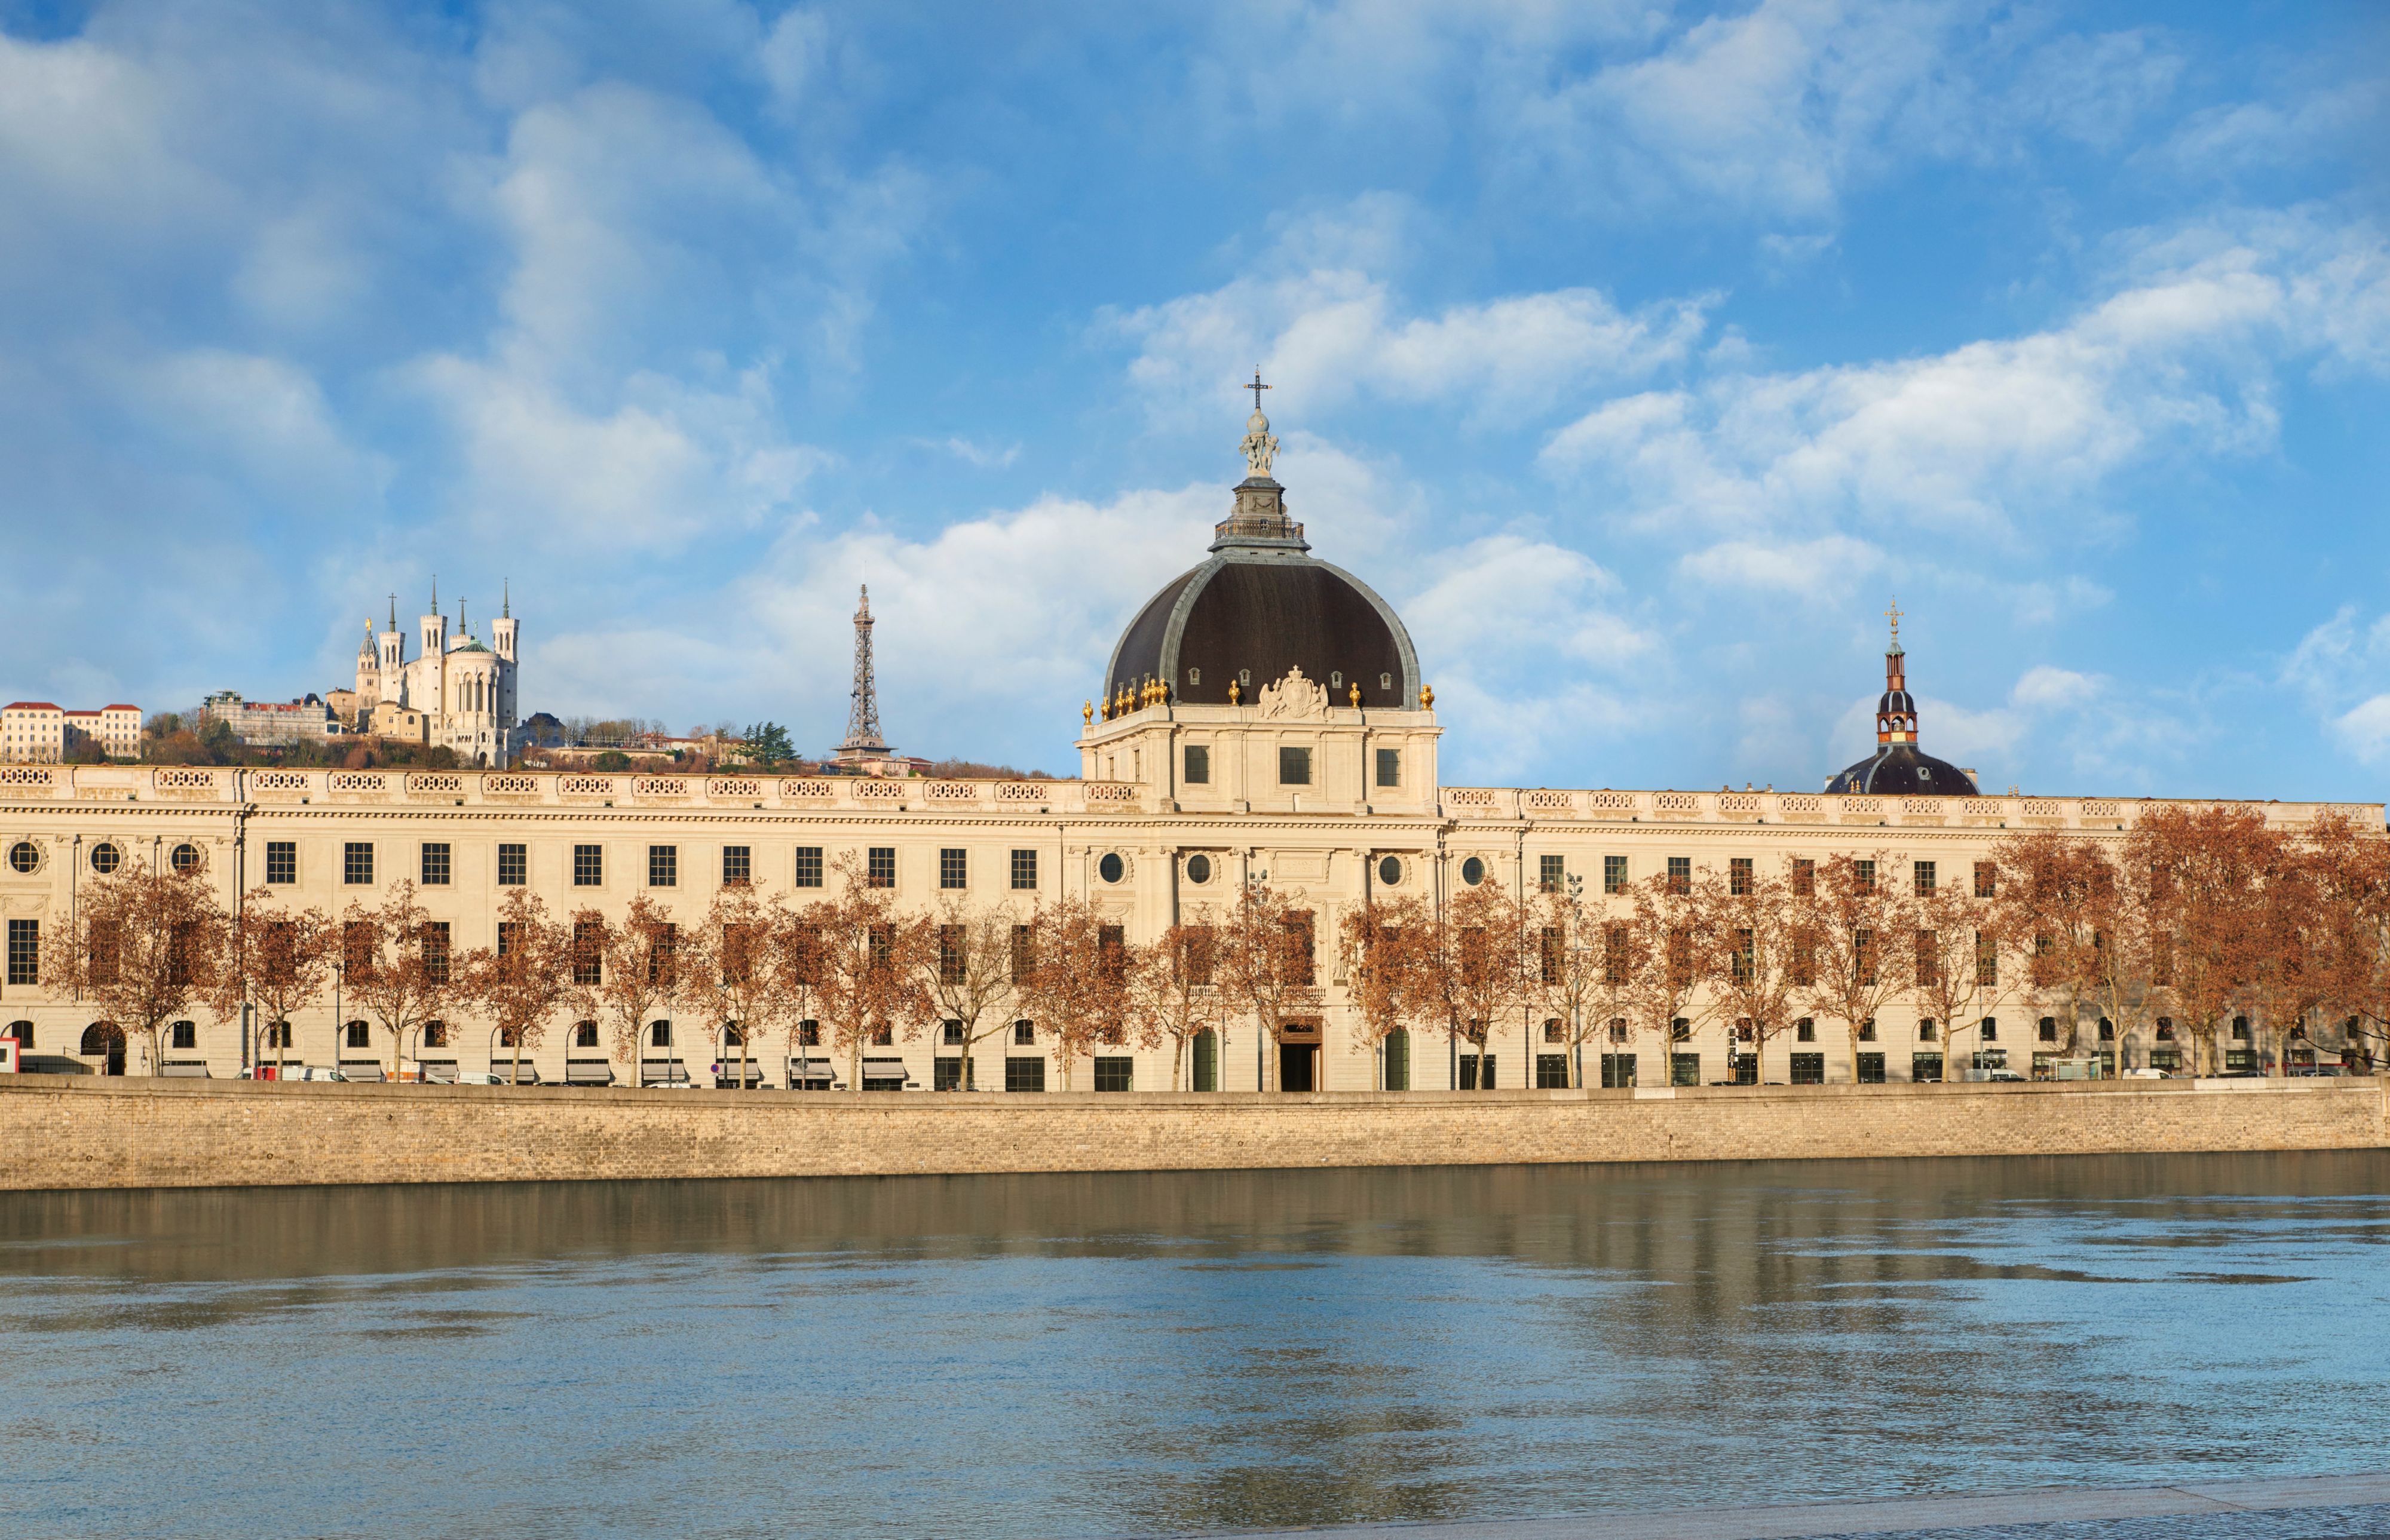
pixel 144 947
pixel 519 985
pixel 280 960
pixel 766 744
pixel 396 965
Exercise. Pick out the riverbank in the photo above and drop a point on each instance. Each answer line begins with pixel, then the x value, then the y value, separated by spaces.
pixel 67 1134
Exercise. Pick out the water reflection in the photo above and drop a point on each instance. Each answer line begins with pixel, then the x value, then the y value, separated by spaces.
pixel 1143 1353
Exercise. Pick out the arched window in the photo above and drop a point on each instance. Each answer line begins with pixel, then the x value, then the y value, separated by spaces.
pixel 660 1034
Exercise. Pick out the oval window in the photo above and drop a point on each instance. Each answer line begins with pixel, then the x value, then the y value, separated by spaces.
pixel 1472 871
pixel 185 858
pixel 23 856
pixel 1111 868
pixel 1390 872
pixel 1385 681
pixel 104 858
pixel 1199 869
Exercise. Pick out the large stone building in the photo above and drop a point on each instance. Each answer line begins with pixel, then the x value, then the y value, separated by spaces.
pixel 1263 717
pixel 455 693
pixel 38 732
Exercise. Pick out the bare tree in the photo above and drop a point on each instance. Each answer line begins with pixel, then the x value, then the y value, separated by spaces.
pixel 1079 978
pixel 1573 978
pixel 967 975
pixel 1266 963
pixel 623 973
pixel 143 946
pixel 1381 946
pixel 1669 942
pixel 281 960
pixel 1758 933
pixel 1173 991
pixel 1864 927
pixel 520 985
pixel 397 966
pixel 727 972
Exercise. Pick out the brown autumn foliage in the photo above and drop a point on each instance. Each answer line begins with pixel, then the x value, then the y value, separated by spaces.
pixel 625 973
pixel 969 976
pixel 397 966
pixel 1267 964
pixel 1079 978
pixel 867 967
pixel 1173 990
pixel 280 960
pixel 519 985
pixel 143 948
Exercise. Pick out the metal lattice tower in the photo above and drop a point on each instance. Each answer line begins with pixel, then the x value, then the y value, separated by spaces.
pixel 862 738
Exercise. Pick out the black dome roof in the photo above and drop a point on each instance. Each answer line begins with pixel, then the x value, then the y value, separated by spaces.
pixel 1903 768
pixel 1261 605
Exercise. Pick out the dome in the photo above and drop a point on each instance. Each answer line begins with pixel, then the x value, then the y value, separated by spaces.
pixel 1901 769
pixel 1898 766
pixel 1260 607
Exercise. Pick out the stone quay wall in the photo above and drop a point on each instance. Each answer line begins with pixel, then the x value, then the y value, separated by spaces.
pixel 83 1133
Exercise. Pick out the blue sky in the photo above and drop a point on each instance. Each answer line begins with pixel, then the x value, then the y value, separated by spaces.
pixel 1639 353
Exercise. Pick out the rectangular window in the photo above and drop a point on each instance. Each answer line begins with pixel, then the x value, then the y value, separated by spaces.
pixel 1117 1073
pixel 185 1036
pixel 1024 1074
pixel 738 865
pixel 1680 874
pixel 1476 1066
pixel 1805 1030
pixel 434 866
pixel 663 865
pixel 809 866
pixel 1924 871
pixel 1617 1071
pixel 879 866
pixel 1552 1071
pixel 1613 874
pixel 948 1074
pixel 1808 1068
pixel 435 950
pixel 356 862
pixel 1683 1069
pixel 1871 1068
pixel 1990 1031
pixel 588 866
pixel 1738 876
pixel 1023 959
pixel 1925 1068
pixel 1987 959
pixel 588 952
pixel 1390 767
pixel 281 861
pixel 1929 958
pixel 1025 870
pixel 514 866
pixel 1024 1034
pixel 1987 880
pixel 953 869
pixel 1199 764
pixel 1863 876
pixel 1804 877
pixel 950 964
pixel 24 951
pixel 505 937
pixel 1551 872
pixel 1548 958
pixel 1293 766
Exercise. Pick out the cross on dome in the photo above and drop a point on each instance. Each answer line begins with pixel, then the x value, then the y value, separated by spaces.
pixel 1257 388
pixel 1893 615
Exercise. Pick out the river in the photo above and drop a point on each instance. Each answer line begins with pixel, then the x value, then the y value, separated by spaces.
pixel 1138 1354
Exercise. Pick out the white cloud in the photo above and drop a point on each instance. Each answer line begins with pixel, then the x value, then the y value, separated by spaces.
pixel 1993 435
pixel 1814 569
pixel 2046 688
pixel 1324 331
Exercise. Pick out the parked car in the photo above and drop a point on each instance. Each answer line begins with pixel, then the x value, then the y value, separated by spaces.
pixel 311 1071
pixel 476 1077
pixel 2003 1075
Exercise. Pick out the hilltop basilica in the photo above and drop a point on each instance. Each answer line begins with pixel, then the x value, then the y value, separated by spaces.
pixel 1265 717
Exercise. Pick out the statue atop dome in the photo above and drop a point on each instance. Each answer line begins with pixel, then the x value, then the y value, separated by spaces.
pixel 1259 445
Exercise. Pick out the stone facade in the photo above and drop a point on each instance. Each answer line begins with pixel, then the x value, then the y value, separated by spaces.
pixel 1134 838
pixel 36 732
pixel 62 1134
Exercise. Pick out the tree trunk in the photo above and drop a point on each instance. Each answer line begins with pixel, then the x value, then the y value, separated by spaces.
pixel 515 1076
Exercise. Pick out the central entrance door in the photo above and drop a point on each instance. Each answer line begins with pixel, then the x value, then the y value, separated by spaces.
pixel 1298 1057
